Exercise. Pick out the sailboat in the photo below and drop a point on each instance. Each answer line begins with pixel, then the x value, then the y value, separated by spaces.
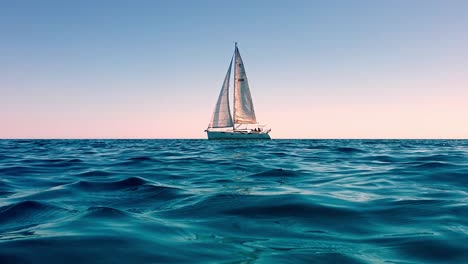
pixel 243 123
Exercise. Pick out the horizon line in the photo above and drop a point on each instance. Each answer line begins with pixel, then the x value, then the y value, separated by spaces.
pixel 232 139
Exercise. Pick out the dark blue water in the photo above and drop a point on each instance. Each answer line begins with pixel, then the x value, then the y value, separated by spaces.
pixel 199 201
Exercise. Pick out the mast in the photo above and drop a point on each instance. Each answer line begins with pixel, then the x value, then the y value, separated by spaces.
pixel 235 87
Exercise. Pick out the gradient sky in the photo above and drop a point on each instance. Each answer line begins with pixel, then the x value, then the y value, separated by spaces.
pixel 153 69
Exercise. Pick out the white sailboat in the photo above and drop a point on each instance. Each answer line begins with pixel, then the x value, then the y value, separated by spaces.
pixel 243 124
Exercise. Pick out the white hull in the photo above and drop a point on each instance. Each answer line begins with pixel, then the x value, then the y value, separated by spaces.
pixel 237 135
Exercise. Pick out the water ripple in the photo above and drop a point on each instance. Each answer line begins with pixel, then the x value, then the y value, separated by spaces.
pixel 279 201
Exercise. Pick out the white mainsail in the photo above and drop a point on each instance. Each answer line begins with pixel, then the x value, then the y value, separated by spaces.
pixel 243 107
pixel 222 113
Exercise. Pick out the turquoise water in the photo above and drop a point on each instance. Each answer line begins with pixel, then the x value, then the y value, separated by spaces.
pixel 200 201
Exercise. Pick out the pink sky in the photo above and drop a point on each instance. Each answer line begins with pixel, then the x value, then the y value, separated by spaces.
pixel 318 69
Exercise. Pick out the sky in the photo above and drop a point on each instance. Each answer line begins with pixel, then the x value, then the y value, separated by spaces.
pixel 154 69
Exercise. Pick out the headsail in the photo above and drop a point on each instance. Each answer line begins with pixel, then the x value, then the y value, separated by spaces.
pixel 243 107
pixel 222 113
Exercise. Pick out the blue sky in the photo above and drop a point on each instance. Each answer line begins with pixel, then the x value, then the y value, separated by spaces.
pixel 152 69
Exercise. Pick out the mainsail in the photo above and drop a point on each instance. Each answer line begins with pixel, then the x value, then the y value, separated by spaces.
pixel 222 113
pixel 243 107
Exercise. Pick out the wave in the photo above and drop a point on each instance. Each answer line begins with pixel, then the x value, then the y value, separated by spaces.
pixel 94 173
pixel 278 201
pixel 129 184
pixel 19 170
pixel 260 206
pixel 142 158
pixel 29 213
pixel 105 212
pixel 349 150
pixel 295 210
pixel 276 173
pixel 434 165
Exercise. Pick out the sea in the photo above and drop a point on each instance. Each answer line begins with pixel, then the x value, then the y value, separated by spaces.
pixel 201 201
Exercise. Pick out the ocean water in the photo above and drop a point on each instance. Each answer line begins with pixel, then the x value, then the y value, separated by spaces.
pixel 200 201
